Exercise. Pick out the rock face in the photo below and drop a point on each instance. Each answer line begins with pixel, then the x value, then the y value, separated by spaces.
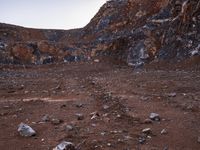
pixel 133 31
pixel 141 31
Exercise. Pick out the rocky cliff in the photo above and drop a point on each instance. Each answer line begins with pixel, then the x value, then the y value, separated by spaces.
pixel 133 31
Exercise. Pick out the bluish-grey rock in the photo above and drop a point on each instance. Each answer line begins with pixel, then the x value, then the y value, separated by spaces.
pixel 65 146
pixel 26 130
pixel 154 116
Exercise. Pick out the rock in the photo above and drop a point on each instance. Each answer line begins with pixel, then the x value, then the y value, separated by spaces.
pixel 142 140
pixel 25 130
pixel 22 52
pixel 94 115
pixel 79 116
pixel 166 148
pixel 42 140
pixel 164 131
pixel 96 60
pixel 56 121
pixel 154 116
pixel 173 94
pixel 198 139
pixel 71 58
pixel 79 105
pixel 63 106
pixel 6 107
pixel 147 121
pixel 65 146
pixel 140 14
pixel 69 127
pixel 118 116
pixel 147 131
pixel 144 98
pixel 127 137
pixel 103 133
pixel 93 125
pixel 105 107
pixel 26 92
pixel 45 118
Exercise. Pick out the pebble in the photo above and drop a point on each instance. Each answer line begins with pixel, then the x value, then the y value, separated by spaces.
pixel 103 133
pixel 26 92
pixel 127 137
pixel 25 130
pixel 69 128
pixel 42 140
pixel 65 146
pixel 173 94
pixel 118 116
pixel 79 116
pixel 94 115
pixel 93 125
pixel 166 148
pixel 56 121
pixel 198 140
pixel 144 98
pixel 154 116
pixel 105 107
pixel 147 131
pixel 96 60
pixel 164 131
pixel 6 107
pixel 46 118
pixel 141 140
pixel 79 105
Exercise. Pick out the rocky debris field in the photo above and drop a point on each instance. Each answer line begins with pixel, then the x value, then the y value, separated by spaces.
pixel 86 97
pixel 99 105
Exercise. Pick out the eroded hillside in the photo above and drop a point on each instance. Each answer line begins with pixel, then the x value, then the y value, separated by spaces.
pixel 136 32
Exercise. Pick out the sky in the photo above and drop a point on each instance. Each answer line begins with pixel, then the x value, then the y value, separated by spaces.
pixel 49 14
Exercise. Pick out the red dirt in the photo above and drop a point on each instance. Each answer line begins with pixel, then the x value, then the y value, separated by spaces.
pixel 28 93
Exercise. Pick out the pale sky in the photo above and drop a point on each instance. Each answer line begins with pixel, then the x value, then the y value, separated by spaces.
pixel 49 14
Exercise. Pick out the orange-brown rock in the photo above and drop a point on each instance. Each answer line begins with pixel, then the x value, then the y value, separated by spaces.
pixel 46 47
pixel 22 53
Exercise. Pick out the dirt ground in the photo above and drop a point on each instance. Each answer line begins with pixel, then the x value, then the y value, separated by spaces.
pixel 122 98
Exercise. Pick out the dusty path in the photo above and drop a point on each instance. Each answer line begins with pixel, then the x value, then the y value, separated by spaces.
pixel 122 98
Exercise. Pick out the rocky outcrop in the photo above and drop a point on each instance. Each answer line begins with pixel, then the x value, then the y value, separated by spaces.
pixel 143 31
pixel 133 31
